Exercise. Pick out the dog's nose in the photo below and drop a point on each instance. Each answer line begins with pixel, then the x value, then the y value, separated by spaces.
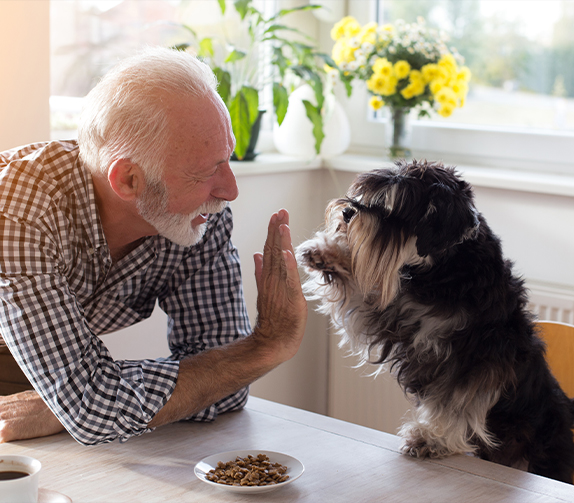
pixel 348 214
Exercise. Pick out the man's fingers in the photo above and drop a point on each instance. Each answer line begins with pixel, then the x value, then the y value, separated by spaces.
pixel 258 259
pixel 276 242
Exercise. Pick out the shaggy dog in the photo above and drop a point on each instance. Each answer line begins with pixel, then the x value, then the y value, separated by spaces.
pixel 413 277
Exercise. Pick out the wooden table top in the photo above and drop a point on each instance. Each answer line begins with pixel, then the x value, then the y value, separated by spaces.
pixel 343 463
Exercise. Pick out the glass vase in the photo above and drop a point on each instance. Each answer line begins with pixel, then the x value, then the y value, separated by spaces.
pixel 398 133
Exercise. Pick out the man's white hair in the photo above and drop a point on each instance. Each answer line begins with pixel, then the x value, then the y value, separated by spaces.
pixel 125 116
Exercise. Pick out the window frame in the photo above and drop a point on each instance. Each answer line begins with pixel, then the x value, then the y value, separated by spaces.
pixel 495 147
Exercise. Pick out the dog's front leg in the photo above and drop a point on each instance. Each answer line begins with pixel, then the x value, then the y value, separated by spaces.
pixel 436 432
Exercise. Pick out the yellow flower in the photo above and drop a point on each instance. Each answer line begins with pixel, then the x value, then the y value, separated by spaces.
pixel 377 83
pixel 446 109
pixel 382 66
pixel 407 93
pixel 435 86
pixel 388 27
pixel 430 72
pixel 464 74
pixel 416 77
pixel 368 33
pixel 342 52
pixel 448 62
pixel 376 102
pixel 446 96
pixel 460 88
pixel 402 69
pixel 418 88
pixel 415 88
pixel 346 27
pixel 390 86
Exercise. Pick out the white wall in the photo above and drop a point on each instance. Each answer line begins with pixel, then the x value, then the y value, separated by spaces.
pixel 25 64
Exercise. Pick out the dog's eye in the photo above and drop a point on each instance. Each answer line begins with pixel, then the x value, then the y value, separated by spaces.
pixel 348 214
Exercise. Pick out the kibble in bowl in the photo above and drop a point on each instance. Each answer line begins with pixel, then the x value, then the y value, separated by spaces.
pixel 249 470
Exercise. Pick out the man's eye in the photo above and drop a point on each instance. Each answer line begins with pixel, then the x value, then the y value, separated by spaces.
pixel 348 214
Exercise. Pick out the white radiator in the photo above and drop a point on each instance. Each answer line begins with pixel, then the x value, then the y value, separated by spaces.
pixel 379 403
pixel 552 302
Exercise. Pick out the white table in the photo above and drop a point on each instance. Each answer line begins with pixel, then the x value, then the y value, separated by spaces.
pixel 343 463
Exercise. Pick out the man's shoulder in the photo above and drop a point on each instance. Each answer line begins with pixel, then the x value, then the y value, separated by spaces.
pixel 48 153
pixel 35 176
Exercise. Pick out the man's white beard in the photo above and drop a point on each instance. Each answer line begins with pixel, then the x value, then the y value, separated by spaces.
pixel 176 227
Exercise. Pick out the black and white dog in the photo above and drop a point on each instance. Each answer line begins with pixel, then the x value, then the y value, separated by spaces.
pixel 413 277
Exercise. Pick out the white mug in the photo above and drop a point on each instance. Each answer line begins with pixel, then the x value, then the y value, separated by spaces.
pixel 19 479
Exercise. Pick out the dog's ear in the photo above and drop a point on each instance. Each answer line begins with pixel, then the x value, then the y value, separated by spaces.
pixel 450 219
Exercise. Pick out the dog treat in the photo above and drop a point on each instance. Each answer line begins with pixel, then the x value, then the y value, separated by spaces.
pixel 248 471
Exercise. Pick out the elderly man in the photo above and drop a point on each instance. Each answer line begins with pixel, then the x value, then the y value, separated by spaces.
pixel 95 232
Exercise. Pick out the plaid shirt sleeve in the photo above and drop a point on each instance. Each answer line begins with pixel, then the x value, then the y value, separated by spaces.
pixel 44 323
pixel 205 303
pixel 96 398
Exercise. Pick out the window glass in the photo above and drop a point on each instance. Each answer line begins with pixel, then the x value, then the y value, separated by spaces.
pixel 87 37
pixel 521 54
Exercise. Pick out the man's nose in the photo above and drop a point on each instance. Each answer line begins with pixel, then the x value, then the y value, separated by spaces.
pixel 225 185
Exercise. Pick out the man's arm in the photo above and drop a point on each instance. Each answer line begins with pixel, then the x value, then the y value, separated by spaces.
pixel 210 376
pixel 25 415
pixel 282 313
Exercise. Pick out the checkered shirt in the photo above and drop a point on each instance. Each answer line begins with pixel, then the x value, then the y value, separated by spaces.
pixel 59 290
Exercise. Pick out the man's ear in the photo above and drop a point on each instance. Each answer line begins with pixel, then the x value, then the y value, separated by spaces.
pixel 126 179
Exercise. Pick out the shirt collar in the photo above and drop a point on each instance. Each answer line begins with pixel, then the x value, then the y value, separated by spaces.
pixel 88 212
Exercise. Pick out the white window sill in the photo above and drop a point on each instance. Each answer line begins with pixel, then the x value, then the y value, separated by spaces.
pixel 508 179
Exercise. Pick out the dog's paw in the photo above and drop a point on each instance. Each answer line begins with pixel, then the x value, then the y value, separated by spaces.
pixel 315 259
pixel 416 448
pixel 420 448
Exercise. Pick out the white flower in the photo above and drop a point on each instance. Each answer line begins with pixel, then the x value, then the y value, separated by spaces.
pixel 367 47
pixel 352 66
pixel 354 42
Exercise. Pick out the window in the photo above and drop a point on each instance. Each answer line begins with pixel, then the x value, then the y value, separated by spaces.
pixel 520 109
pixel 89 36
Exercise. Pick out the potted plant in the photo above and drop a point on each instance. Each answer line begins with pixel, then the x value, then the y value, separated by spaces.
pixel 235 62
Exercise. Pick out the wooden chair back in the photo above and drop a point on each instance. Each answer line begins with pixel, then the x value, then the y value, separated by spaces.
pixel 559 338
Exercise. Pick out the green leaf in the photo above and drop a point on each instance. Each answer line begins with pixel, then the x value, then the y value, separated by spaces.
pixel 313 79
pixel 180 47
pixel 251 96
pixel 348 86
pixel 205 48
pixel 280 101
pixel 189 29
pixel 280 61
pixel 326 59
pixel 240 123
pixel 242 7
pixel 314 115
pixel 235 55
pixel 222 6
pixel 284 12
pixel 224 87
pixel 278 27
